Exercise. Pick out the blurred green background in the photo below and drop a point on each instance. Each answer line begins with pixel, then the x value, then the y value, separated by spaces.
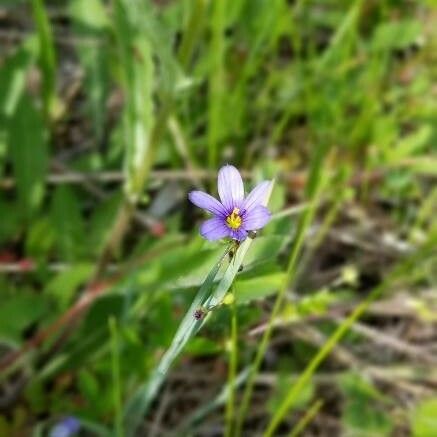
pixel 111 111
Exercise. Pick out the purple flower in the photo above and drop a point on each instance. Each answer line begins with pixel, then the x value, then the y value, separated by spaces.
pixel 66 428
pixel 235 215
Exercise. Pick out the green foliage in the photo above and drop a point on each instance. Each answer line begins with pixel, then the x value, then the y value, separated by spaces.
pixel 397 34
pixel 111 111
pixel 257 288
pixel 363 412
pixel 12 76
pixel 137 77
pixel 47 59
pixel 280 393
pixel 423 418
pixel 67 223
pixel 91 21
pixel 63 286
pixel 29 154
pixel 26 308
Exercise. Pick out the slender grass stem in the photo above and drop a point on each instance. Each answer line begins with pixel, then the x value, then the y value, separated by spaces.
pixel 47 59
pixel 141 400
pixel 305 220
pixel 118 426
pixel 315 362
pixel 306 418
pixel 192 32
pixel 216 80
pixel 326 225
pixel 403 269
pixel 232 373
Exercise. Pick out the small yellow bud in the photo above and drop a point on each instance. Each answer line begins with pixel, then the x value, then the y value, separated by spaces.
pixel 349 275
pixel 229 299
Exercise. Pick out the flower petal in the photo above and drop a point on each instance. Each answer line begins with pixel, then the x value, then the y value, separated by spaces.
pixel 257 196
pixel 256 218
pixel 230 187
pixel 214 229
pixel 239 234
pixel 207 202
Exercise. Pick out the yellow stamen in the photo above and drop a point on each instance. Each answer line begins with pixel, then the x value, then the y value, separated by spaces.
pixel 234 220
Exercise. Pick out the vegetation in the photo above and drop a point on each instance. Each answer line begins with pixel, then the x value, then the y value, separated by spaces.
pixel 117 318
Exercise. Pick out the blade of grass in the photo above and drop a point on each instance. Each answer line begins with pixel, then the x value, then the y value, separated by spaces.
pixel 118 426
pixel 13 76
pixel 338 41
pixel 138 405
pixel 232 372
pixel 141 132
pixel 216 90
pixel 340 191
pixel 137 76
pixel 404 268
pixel 90 19
pixel 313 184
pixel 322 121
pixel 192 31
pixel 29 152
pixel 306 418
pixel 47 59
pixel 320 65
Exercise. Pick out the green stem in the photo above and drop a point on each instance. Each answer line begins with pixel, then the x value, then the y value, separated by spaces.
pixel 403 269
pixel 116 378
pixel 47 58
pixel 306 419
pixel 216 84
pixel 192 32
pixel 305 220
pixel 233 363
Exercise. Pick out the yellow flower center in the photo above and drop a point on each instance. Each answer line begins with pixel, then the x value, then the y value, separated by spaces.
pixel 234 220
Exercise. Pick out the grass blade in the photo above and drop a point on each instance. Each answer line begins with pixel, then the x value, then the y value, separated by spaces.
pixel 137 74
pixel 217 81
pixel 403 269
pixel 116 377
pixel 90 19
pixel 306 419
pixel 312 189
pixel 140 402
pixel 27 135
pixel 47 58
pixel 192 31
pixel 233 364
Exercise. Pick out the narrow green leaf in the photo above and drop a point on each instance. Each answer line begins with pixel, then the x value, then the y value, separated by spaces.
pixel 396 34
pixel 137 80
pixel 67 221
pixel 12 76
pixel 92 24
pixel 27 141
pixel 140 402
pixel 19 312
pixel 12 84
pixel 257 288
pixel 404 268
pixel 63 286
pixel 363 411
pixel 47 58
pixel 217 81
